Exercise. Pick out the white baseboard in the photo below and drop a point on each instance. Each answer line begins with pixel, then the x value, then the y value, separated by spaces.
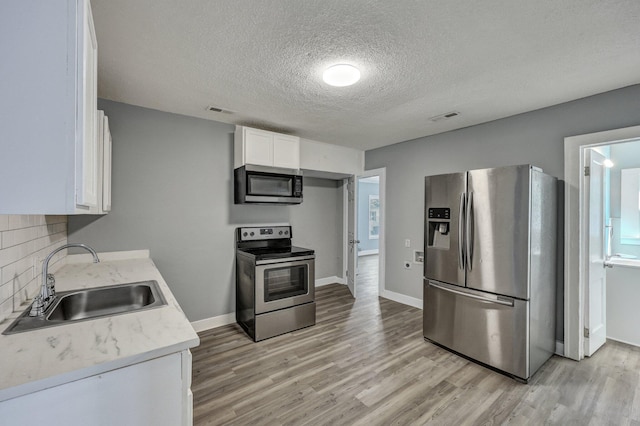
pixel 559 348
pixel 214 322
pixel 329 280
pixel 623 341
pixel 368 252
pixel 401 298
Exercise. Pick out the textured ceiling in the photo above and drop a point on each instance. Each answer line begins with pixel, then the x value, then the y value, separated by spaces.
pixel 263 60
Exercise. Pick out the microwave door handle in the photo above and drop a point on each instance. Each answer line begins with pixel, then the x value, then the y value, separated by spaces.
pixel 461 215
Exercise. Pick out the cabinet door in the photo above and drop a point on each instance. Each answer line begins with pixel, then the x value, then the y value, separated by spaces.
pixel 147 393
pixel 258 147
pixel 286 151
pixel 106 166
pixel 87 147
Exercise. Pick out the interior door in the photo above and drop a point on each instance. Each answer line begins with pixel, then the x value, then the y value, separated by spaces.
pixel 352 240
pixel 595 277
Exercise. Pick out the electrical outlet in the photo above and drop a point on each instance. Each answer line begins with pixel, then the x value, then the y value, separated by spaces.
pixel 407 264
pixel 407 243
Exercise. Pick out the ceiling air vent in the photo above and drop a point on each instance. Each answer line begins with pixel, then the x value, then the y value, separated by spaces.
pixel 216 109
pixel 445 116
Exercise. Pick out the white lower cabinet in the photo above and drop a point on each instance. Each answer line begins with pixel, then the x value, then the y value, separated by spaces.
pixel 155 392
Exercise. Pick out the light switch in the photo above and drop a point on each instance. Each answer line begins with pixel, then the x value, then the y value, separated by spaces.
pixel 407 243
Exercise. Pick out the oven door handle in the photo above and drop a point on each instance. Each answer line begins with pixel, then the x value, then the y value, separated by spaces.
pixel 293 260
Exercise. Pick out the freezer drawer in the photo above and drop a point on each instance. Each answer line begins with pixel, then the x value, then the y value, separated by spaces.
pixel 490 329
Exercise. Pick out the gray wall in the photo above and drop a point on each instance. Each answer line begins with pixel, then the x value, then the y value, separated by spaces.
pixel 317 223
pixel 536 137
pixel 364 190
pixel 173 194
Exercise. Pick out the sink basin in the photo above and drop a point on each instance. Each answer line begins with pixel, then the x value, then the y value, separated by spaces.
pixel 81 305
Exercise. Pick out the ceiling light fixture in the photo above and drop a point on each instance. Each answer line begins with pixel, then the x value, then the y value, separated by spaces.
pixel 608 163
pixel 341 75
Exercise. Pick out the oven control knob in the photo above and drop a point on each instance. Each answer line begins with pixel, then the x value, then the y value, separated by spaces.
pixel 280 232
pixel 286 232
pixel 251 234
pixel 245 234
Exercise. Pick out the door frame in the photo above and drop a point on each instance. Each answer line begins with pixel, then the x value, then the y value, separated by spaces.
pixel 575 234
pixel 382 174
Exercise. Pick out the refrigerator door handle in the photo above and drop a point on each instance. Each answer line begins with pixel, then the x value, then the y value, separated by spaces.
pixel 469 232
pixel 497 300
pixel 461 231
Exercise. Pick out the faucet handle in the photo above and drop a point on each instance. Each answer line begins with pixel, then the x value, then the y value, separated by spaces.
pixel 37 307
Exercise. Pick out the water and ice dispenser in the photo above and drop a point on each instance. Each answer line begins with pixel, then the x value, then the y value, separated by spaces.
pixel 439 225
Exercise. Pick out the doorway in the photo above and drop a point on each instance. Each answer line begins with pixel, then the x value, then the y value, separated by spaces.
pixel 368 234
pixel 596 236
pixel 365 245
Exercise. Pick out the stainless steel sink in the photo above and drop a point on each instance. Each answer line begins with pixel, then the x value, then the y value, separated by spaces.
pixel 82 305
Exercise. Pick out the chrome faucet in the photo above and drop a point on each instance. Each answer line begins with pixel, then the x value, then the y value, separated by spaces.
pixel 48 290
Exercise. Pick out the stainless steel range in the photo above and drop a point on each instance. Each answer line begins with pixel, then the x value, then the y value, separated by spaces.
pixel 274 282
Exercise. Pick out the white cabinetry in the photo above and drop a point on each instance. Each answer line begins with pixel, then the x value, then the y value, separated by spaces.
pixel 155 392
pixel 330 161
pixel 48 81
pixel 286 151
pixel 104 161
pixel 264 148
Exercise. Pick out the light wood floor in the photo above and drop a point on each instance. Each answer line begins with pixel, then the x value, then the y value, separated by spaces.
pixel 365 363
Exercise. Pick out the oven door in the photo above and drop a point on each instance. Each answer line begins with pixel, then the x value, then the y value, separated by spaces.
pixel 284 284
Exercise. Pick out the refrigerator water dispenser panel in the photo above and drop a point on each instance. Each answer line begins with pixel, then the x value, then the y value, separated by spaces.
pixel 439 213
pixel 438 223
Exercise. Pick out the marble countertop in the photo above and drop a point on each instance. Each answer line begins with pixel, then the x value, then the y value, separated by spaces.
pixel 39 359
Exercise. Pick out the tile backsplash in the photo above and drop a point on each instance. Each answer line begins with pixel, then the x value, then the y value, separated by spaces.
pixel 25 241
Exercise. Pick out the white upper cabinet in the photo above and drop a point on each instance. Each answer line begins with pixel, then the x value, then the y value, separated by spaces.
pixel 264 148
pixel 257 146
pixel 87 164
pixel 286 151
pixel 48 80
pixel 104 161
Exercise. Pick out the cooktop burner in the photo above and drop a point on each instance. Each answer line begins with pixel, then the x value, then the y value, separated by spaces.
pixel 264 253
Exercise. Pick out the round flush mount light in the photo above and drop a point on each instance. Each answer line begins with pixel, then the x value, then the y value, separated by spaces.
pixel 607 163
pixel 341 75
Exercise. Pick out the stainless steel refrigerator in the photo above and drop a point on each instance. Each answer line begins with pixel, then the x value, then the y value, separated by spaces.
pixel 490 266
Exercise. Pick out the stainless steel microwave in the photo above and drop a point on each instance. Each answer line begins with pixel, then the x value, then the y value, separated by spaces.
pixel 267 185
